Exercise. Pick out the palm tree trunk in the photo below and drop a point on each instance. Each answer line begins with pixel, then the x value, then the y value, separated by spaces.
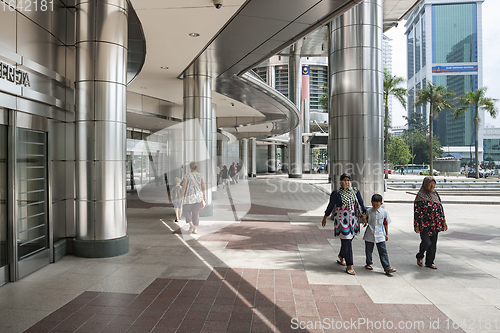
pixel 386 142
pixel 476 125
pixel 431 165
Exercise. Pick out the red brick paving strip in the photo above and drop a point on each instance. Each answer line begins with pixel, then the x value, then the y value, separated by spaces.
pixel 235 300
pixel 268 236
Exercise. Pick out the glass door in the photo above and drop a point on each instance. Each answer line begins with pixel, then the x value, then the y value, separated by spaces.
pixel 32 220
pixel 3 207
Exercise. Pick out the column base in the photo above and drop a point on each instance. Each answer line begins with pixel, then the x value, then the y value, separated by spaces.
pixel 208 210
pixel 214 195
pixel 100 248
pixel 291 175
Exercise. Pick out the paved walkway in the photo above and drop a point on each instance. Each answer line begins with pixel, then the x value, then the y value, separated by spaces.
pixel 263 263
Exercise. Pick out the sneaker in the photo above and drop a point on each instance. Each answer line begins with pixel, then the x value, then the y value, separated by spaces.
pixel 390 270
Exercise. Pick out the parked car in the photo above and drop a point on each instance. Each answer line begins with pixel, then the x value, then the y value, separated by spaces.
pixel 426 172
pixel 389 171
pixel 472 174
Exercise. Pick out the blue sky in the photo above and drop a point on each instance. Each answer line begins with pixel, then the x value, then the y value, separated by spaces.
pixel 491 54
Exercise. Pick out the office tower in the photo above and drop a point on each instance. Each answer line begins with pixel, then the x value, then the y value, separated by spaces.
pixel 444 46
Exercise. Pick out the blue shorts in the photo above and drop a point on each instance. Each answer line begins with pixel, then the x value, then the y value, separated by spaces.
pixel 177 204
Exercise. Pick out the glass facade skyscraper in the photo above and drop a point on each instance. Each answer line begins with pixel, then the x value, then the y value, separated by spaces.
pixel 453 30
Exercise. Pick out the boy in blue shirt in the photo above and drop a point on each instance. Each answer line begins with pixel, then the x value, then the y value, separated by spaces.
pixel 377 232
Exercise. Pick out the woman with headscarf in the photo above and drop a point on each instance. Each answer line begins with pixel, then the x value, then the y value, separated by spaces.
pixel 428 220
pixel 346 223
pixel 193 196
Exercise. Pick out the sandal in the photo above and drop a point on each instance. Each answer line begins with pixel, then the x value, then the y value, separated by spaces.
pixel 420 262
pixel 431 266
pixel 350 271
pixel 390 270
pixel 369 267
pixel 341 261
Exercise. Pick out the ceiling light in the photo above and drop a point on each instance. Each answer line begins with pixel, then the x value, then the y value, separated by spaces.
pixel 194 34
pixel 143 88
pixel 164 67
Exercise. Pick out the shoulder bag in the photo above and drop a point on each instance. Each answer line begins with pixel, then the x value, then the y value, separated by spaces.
pixel 198 187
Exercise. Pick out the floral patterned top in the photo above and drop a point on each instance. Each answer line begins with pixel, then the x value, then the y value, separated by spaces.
pixel 428 216
pixel 193 193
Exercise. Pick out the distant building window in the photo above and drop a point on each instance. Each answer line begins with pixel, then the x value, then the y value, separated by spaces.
pixel 318 77
pixel 282 79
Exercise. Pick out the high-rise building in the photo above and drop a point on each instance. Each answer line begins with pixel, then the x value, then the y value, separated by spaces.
pixel 387 62
pixel 444 46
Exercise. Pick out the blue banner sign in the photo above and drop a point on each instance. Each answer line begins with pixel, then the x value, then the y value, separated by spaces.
pixel 447 69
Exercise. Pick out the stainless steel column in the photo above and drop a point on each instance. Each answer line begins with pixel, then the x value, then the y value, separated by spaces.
pixel 198 129
pixel 101 72
pixel 244 157
pixel 295 92
pixel 271 158
pixel 252 157
pixel 306 152
pixel 214 152
pixel 356 119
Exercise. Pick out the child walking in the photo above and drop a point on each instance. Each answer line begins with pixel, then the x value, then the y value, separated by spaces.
pixel 377 232
pixel 176 198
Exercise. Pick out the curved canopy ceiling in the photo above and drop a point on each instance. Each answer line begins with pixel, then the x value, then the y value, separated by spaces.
pixel 233 39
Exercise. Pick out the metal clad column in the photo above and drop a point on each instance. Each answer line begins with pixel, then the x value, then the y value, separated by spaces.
pixel 101 73
pixel 214 151
pixel 295 89
pixel 356 121
pixel 252 157
pixel 198 129
pixel 306 153
pixel 244 157
pixel 271 162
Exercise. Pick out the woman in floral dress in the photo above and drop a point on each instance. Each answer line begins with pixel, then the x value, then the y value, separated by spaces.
pixel 428 220
pixel 346 224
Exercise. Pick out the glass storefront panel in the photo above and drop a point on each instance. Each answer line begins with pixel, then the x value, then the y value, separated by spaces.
pixel 3 196
pixel 32 231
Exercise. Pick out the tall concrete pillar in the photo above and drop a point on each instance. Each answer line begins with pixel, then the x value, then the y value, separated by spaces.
pixel 101 104
pixel 295 91
pixel 252 158
pixel 271 158
pixel 198 129
pixel 356 119
pixel 244 157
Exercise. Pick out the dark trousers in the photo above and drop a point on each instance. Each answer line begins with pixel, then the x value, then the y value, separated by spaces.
pixel 346 251
pixel 382 253
pixel 428 246
pixel 192 213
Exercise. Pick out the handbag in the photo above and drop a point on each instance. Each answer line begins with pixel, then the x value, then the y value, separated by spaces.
pixel 357 208
pixel 203 203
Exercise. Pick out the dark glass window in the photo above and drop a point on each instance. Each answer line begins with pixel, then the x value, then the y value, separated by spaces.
pixel 417 46
pixel 410 53
pixel 281 83
pixel 424 62
pixel 317 79
pixel 262 72
pixel 454 33
pixel 461 131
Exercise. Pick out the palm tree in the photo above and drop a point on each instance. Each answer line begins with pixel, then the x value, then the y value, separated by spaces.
pixel 391 88
pixel 477 100
pixel 438 98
